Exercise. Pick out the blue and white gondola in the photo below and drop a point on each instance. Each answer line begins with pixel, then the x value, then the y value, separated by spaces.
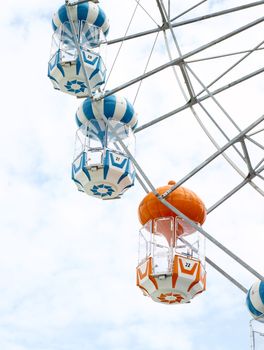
pixel 114 173
pixel 255 301
pixel 64 67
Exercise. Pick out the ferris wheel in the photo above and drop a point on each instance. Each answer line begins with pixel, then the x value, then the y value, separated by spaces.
pixel 207 82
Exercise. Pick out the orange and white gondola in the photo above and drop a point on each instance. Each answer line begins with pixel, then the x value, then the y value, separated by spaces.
pixel 171 268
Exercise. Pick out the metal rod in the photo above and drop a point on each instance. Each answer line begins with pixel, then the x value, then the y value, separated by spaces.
pixel 228 159
pixel 260 176
pixel 211 15
pixel 164 116
pixel 146 67
pixel 260 170
pixel 191 103
pixel 259 190
pixel 169 9
pixel 259 163
pixel 255 142
pixel 220 129
pixel 223 55
pixel 256 132
pixel 173 67
pixel 226 275
pixel 249 165
pixel 228 195
pixel 188 10
pixel 137 1
pixel 164 20
pixel 142 183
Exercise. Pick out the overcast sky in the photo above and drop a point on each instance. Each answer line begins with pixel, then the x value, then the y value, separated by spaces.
pixel 67 260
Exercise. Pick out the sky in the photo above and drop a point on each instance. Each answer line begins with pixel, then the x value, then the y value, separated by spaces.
pixel 67 260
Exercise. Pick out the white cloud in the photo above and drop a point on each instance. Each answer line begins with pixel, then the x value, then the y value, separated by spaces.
pixel 67 261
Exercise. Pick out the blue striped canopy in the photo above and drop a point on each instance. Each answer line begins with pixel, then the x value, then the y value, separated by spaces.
pixel 255 300
pixel 88 12
pixel 114 108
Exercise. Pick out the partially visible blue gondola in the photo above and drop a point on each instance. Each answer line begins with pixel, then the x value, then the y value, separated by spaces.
pixel 255 301
pixel 65 69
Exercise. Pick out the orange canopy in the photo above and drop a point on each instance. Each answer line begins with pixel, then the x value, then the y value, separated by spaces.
pixel 182 198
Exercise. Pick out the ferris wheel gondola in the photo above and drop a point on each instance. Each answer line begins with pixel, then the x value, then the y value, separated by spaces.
pixel 101 168
pixel 87 24
pixel 171 266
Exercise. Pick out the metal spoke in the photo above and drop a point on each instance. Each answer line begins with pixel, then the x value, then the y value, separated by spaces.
pixel 248 161
pixel 188 10
pixel 259 164
pixel 260 176
pixel 256 132
pixel 255 142
pixel 226 275
pixel 220 129
pixel 146 67
pixel 223 55
pixel 149 15
pixel 229 194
